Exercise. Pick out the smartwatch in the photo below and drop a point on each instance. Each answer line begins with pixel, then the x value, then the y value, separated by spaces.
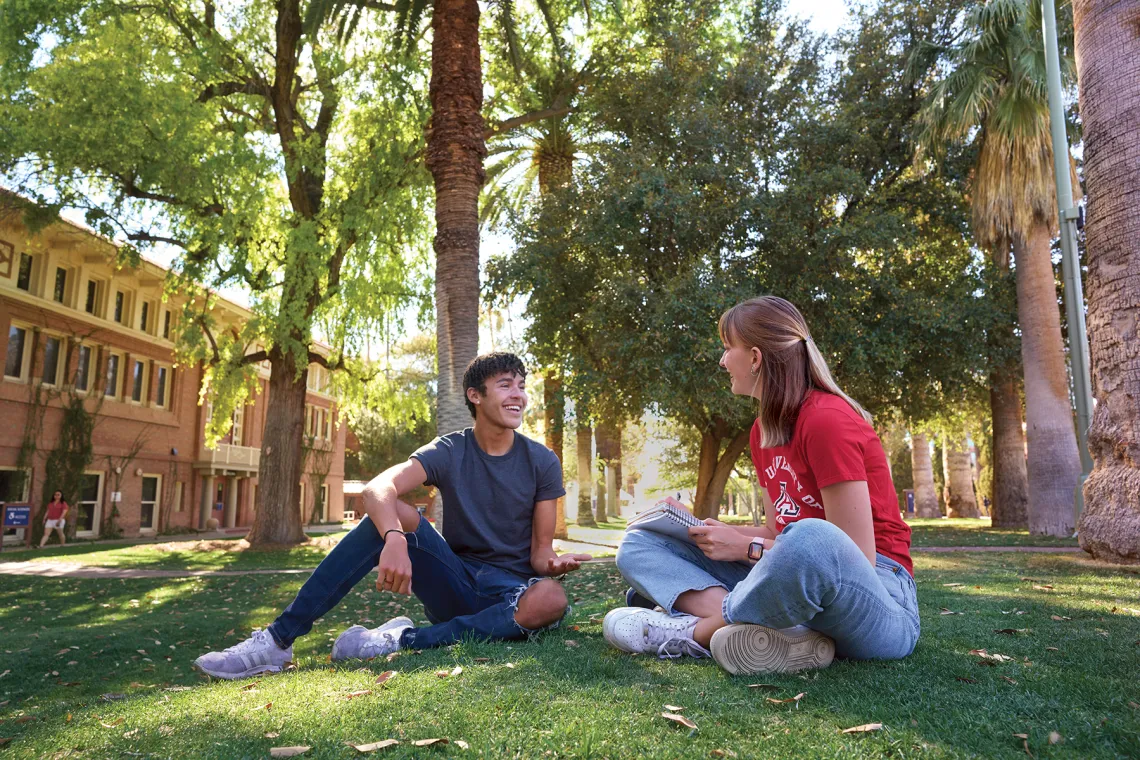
pixel 756 549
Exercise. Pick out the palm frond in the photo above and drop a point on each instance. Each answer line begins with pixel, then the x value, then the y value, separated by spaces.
pixel 505 16
pixel 554 31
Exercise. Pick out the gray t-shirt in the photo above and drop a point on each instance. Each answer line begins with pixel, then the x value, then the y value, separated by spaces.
pixel 488 501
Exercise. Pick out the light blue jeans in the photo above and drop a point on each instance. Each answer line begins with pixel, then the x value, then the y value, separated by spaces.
pixel 815 576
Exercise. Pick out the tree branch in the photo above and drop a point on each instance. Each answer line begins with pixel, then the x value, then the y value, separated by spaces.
pixel 499 128
pixel 225 89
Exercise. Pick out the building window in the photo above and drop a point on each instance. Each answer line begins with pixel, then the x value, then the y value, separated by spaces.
pixel 166 324
pixel 238 430
pixel 60 289
pixel 119 304
pixel 112 388
pixel 90 504
pixel 144 314
pixel 52 346
pixel 160 390
pixel 325 502
pixel 24 276
pixel 92 297
pixel 138 381
pixel 148 508
pixel 82 368
pixel 15 364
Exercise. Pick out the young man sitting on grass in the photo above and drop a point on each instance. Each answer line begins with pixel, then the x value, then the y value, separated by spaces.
pixel 484 577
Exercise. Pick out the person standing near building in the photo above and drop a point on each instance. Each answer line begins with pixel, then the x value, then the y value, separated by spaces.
pixel 57 510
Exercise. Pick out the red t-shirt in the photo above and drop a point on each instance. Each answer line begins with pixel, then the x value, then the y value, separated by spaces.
pixel 831 444
pixel 55 510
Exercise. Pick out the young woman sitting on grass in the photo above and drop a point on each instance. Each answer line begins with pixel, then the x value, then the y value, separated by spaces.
pixel 828 573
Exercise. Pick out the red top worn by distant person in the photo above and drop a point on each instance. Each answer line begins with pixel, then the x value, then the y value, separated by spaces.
pixel 831 444
pixel 56 510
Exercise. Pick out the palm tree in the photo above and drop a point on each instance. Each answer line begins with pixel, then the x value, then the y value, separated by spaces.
pixel 1110 100
pixel 995 96
pixel 925 495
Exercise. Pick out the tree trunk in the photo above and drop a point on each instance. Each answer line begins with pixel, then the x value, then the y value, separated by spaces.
pixel 714 468
pixel 960 499
pixel 925 497
pixel 757 503
pixel 1109 71
pixel 600 489
pixel 585 440
pixel 277 519
pixel 1053 464
pixel 608 438
pixel 554 412
pixel 1011 485
pixel 454 156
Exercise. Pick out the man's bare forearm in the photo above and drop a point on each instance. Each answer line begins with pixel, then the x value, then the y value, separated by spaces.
pixel 380 497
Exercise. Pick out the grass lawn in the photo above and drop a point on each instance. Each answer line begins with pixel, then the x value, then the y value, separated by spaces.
pixel 101 668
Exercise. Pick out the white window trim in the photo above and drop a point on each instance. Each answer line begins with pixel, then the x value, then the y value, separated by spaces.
pixel 157 503
pixel 130 397
pixel 26 359
pixel 97 512
pixel 120 379
pixel 169 378
pixel 60 361
pixel 91 359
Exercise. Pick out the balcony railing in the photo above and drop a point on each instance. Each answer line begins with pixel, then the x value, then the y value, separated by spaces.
pixel 229 455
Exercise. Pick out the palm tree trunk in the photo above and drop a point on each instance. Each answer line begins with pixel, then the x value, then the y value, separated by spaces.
pixel 554 412
pixel 925 497
pixel 1053 464
pixel 608 439
pixel 1011 485
pixel 960 499
pixel 455 153
pixel 1109 72
pixel 585 440
pixel 600 491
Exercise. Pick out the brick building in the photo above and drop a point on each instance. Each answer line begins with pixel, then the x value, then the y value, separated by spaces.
pixel 75 326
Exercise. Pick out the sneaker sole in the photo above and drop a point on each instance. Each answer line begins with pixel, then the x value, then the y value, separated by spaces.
pixel 745 649
pixel 235 676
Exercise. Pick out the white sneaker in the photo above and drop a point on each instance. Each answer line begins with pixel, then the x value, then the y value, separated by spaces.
pixel 636 629
pixel 360 643
pixel 257 654
pixel 745 648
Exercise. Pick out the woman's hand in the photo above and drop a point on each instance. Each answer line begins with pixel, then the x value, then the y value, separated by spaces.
pixel 721 542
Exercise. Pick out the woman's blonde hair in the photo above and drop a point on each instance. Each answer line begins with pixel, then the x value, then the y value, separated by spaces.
pixel 791 365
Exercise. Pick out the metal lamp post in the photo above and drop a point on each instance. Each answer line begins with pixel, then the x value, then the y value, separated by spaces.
pixel 1070 263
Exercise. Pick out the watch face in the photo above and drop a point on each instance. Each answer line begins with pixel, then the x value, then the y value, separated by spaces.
pixel 755 550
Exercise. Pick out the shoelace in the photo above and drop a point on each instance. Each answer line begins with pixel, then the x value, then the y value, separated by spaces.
pixel 257 639
pixel 370 645
pixel 672 641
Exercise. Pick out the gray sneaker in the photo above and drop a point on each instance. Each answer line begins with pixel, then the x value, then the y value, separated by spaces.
pixel 257 654
pixel 360 643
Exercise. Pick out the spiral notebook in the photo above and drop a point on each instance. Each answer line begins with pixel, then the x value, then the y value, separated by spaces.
pixel 667 519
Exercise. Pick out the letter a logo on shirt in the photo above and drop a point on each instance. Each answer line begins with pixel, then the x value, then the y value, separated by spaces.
pixel 785 505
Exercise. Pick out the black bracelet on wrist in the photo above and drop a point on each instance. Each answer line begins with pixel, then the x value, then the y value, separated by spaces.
pixel 391 530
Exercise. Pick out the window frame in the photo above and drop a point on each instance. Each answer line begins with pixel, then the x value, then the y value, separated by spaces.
pixel 59 290
pixel 156 504
pixel 96 509
pixel 113 393
pixel 79 349
pixel 60 359
pixel 25 352
pixel 20 273
pixel 140 384
pixel 161 369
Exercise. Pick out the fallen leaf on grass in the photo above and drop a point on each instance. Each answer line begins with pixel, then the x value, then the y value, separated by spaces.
pixel 482 659
pixel 165 730
pixel 965 679
pixel 945 611
pixel 386 676
pixel 1052 649
pixel 288 751
pixel 6 672
pixel 250 686
pixel 1045 587
pixel 4 740
pixel 1007 679
pixel 271 734
pixel 361 693
pixel 1011 631
pixel 952 585
pixel 460 743
pixel 865 728
pixel 267 706
pixel 766 686
pixel 1134 705
pixel 385 744
pixel 429 742
pixel 509 665
pixel 1024 743
pixel 1060 617
pixel 112 724
pixel 63 651
pixel 133 732
pixel 722 753
pixel 679 719
pixel 990 658
pixel 1055 738
pixel 230 632
pixel 570 643
pixel 112 697
pixel 673 708
pixel 796 698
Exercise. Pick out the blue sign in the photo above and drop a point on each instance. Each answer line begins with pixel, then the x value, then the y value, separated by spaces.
pixel 909 501
pixel 17 515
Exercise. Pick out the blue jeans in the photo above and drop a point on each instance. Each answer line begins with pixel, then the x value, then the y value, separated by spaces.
pixel 815 576
pixel 461 597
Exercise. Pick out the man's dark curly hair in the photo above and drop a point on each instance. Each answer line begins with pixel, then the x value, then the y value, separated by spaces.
pixel 484 367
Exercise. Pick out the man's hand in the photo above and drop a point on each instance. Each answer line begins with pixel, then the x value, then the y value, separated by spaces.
pixel 721 542
pixel 565 563
pixel 394 572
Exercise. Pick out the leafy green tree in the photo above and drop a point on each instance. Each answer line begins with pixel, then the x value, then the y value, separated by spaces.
pixel 270 158
pixel 993 97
